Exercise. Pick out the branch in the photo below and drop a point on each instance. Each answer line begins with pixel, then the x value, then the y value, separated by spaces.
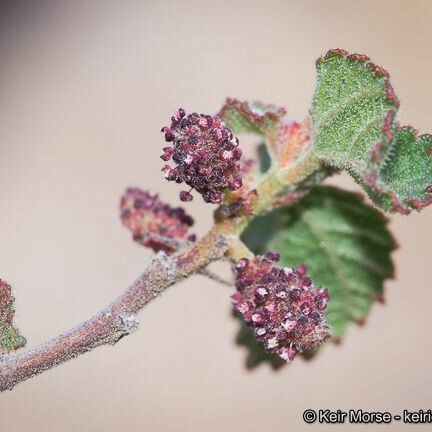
pixel 179 245
pixel 118 319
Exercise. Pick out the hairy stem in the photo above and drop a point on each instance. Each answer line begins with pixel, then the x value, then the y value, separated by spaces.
pixel 118 319
pixel 278 179
pixel 238 250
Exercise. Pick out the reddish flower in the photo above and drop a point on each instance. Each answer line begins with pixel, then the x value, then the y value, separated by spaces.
pixel 206 155
pixel 152 222
pixel 281 306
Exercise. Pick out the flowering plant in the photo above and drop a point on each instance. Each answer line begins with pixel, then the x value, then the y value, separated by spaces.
pixel 272 218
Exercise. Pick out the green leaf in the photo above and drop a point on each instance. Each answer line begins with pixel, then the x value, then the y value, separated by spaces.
pixel 344 242
pixel 354 127
pixel 408 169
pixel 10 338
pixel 256 118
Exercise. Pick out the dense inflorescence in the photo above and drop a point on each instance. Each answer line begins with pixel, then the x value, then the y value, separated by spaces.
pixel 206 154
pixel 281 306
pixel 152 222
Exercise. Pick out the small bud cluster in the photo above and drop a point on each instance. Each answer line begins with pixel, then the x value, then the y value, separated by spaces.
pixel 6 301
pixel 152 221
pixel 281 306
pixel 10 338
pixel 206 155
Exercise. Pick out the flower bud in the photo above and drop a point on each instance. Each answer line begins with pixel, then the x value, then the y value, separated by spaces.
pixel 152 221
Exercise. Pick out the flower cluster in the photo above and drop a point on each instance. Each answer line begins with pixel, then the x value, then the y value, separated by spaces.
pixel 152 222
pixel 206 155
pixel 281 306
pixel 10 338
pixel 6 301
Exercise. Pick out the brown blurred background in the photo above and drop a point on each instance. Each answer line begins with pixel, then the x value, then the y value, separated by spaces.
pixel 84 88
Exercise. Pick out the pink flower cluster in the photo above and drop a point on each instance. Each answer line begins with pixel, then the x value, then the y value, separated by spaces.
pixel 206 155
pixel 151 221
pixel 281 306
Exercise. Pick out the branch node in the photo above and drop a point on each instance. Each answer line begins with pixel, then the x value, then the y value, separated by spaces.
pixel 125 325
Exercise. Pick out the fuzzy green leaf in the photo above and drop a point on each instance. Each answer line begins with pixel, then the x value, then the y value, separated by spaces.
pixel 246 117
pixel 344 242
pixel 10 338
pixel 255 118
pixel 354 127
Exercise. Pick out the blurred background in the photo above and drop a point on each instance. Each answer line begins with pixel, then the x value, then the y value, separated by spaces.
pixel 84 88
